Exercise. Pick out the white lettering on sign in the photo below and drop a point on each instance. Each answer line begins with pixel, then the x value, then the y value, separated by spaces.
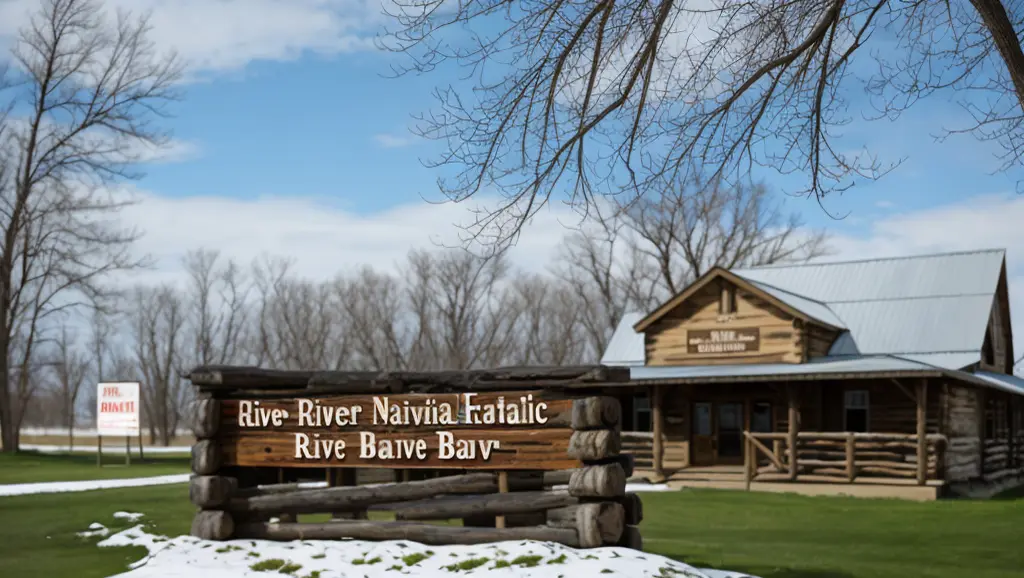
pixel 117 409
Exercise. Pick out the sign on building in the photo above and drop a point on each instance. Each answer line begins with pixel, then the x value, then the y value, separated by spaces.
pixel 737 340
pixel 117 409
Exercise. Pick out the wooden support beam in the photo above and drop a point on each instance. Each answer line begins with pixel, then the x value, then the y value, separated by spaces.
pixel 499 521
pixel 211 491
pixel 658 417
pixel 851 453
pixel 207 418
pixel 206 458
pixel 922 425
pixel 594 445
pixel 794 428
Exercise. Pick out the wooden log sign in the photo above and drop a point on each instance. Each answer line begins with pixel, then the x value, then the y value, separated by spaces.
pixel 499 431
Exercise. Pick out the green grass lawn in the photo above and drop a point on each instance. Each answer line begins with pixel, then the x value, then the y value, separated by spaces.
pixel 770 535
pixel 30 467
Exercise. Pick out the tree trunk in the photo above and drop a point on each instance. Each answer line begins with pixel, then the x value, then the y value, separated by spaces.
pixel 998 23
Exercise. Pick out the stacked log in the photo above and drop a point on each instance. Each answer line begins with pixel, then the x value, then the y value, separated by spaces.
pixel 600 485
pixel 209 491
pixel 582 507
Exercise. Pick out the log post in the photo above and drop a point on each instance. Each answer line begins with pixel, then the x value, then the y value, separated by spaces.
pixel 499 521
pixel 658 417
pixel 851 452
pixel 749 460
pixel 922 438
pixel 794 429
pixel 207 490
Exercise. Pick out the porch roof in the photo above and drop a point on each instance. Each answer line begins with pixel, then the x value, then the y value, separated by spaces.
pixel 836 367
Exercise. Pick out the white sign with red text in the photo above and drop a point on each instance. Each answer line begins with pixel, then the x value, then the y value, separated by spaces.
pixel 117 409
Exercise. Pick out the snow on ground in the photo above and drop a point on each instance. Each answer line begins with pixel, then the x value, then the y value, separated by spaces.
pixel 60 487
pixel 114 450
pixel 95 529
pixel 130 516
pixel 186 556
pixel 84 486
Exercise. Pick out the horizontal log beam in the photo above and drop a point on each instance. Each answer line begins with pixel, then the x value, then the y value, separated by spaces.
pixel 429 534
pixel 206 457
pixel 341 498
pixel 487 504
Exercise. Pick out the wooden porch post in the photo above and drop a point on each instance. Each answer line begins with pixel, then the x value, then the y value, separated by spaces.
pixel 922 432
pixel 658 417
pixel 794 428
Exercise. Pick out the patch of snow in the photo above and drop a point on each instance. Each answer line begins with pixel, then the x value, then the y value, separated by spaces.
pixel 95 529
pixel 633 488
pixel 113 450
pixel 648 488
pixel 187 556
pixel 130 516
pixel 83 486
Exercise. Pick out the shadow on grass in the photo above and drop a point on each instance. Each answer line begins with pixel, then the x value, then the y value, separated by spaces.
pixel 1010 495
pixel 759 570
pixel 765 572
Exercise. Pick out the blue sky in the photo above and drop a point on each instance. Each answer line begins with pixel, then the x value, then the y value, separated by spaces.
pixel 291 140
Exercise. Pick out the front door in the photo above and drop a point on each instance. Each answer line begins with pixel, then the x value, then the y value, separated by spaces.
pixel 729 430
pixel 703 435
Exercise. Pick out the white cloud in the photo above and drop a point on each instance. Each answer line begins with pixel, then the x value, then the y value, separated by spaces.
pixel 225 35
pixel 392 141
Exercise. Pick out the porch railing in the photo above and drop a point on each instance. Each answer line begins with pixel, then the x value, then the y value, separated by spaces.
pixel 842 456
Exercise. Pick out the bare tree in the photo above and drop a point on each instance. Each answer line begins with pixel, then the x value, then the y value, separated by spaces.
pixel 577 99
pixel 378 324
pixel 463 312
pixel 549 326
pixel 217 299
pixel 698 224
pixel 70 368
pixel 89 88
pixel 298 323
pixel 158 320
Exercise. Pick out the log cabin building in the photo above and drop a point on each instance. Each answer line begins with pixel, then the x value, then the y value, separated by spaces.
pixel 885 377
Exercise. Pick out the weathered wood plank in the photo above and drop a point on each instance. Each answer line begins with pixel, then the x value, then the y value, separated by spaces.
pixel 510 449
pixel 350 413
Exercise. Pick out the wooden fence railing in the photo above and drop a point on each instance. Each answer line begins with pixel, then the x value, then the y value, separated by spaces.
pixel 842 456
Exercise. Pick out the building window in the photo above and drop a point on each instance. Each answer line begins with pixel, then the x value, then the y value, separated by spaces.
pixel 727 303
pixel 855 411
pixel 641 413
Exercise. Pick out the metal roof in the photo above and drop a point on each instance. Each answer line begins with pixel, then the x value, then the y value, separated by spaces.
pixel 813 309
pixel 859 367
pixel 946 274
pixel 626 346
pixel 908 306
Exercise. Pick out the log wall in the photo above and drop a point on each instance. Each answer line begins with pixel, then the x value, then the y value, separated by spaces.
pixel 963 431
pixel 585 506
